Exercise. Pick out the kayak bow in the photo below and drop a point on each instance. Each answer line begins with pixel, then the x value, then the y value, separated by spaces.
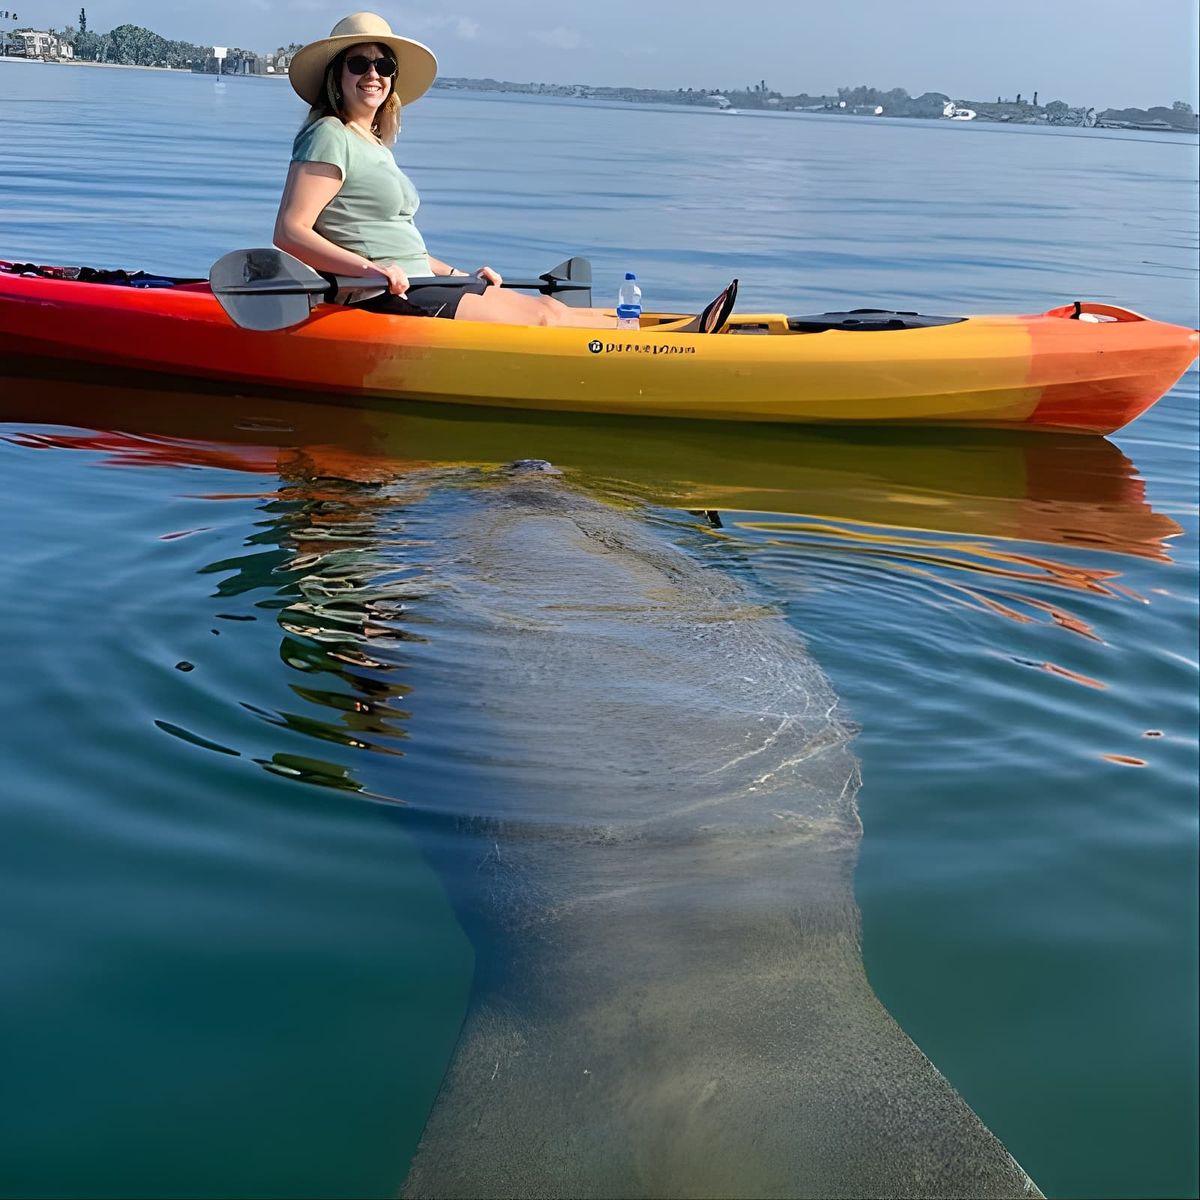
pixel 1083 367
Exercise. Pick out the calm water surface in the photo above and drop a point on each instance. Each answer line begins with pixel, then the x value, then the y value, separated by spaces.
pixel 229 970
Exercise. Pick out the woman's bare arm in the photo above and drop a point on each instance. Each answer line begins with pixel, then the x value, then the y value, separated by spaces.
pixel 309 188
pixel 437 267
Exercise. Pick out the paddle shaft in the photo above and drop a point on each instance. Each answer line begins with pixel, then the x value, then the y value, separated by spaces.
pixel 334 283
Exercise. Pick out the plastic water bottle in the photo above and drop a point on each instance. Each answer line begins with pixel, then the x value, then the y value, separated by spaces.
pixel 629 303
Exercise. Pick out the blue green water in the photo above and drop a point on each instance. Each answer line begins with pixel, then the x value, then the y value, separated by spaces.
pixel 228 968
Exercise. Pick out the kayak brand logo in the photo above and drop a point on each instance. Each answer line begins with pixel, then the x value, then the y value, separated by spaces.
pixel 596 346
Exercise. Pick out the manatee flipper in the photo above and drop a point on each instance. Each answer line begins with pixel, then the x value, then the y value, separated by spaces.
pixel 684 1054
pixel 670 995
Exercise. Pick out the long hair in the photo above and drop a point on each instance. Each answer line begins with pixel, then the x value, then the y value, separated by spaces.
pixel 332 103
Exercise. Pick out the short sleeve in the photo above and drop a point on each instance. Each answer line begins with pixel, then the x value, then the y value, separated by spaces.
pixel 325 142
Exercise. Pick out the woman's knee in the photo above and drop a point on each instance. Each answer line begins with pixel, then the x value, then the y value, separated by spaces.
pixel 510 308
pixel 552 310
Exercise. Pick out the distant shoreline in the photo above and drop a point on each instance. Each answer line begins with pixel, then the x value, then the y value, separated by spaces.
pixel 87 62
pixel 931 106
pixel 696 102
pixel 831 114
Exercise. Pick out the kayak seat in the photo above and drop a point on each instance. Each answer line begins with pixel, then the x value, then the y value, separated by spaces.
pixel 866 320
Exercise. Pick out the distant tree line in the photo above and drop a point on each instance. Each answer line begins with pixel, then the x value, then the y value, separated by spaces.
pixel 895 102
pixel 134 45
pixel 1180 115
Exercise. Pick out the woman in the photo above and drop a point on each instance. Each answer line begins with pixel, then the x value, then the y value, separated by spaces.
pixel 347 209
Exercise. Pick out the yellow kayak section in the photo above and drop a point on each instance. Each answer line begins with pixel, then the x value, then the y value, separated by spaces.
pixel 1082 368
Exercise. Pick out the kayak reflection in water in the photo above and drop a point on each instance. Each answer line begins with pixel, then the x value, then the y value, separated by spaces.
pixel 348 209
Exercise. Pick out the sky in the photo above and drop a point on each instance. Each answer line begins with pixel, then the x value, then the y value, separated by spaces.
pixel 1103 53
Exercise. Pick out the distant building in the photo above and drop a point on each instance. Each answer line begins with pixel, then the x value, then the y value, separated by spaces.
pixel 278 64
pixel 34 43
pixel 234 62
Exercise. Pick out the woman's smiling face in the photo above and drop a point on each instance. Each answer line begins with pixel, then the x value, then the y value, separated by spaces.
pixel 368 91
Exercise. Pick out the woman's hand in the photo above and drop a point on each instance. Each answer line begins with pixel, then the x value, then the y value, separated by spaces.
pixel 396 278
pixel 490 276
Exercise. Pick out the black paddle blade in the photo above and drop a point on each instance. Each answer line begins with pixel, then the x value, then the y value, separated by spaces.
pixel 264 269
pixel 715 314
pixel 262 264
pixel 576 271
pixel 265 289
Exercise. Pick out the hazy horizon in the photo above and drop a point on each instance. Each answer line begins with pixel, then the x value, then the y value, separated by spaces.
pixel 1095 55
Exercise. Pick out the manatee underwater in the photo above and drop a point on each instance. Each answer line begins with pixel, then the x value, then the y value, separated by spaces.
pixel 657 877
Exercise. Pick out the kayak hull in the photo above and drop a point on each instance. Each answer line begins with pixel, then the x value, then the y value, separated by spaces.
pixel 1039 371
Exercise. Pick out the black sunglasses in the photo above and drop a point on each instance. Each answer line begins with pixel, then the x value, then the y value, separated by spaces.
pixel 360 64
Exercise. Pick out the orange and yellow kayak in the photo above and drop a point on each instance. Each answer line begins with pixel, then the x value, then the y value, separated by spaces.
pixel 1085 367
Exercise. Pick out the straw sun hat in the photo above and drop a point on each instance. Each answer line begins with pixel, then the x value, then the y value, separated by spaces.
pixel 415 63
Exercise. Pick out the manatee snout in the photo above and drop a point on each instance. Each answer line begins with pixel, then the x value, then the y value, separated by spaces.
pixel 532 466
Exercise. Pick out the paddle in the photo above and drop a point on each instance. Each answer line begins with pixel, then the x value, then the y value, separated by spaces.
pixel 265 289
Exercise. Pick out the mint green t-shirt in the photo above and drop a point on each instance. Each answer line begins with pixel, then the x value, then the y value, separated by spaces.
pixel 373 213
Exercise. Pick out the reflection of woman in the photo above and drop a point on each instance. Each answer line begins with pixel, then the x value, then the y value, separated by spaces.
pixel 348 209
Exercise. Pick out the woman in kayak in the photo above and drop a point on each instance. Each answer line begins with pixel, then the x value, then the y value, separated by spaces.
pixel 347 209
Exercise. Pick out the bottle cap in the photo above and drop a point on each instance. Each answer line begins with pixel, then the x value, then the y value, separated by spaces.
pixel 630 275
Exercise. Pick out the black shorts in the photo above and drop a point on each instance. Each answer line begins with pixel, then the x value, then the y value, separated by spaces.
pixel 424 301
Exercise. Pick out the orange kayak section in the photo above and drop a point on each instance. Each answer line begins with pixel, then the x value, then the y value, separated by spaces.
pixel 1089 368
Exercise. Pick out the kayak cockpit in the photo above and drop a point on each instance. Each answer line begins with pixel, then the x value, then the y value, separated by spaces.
pixel 857 320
